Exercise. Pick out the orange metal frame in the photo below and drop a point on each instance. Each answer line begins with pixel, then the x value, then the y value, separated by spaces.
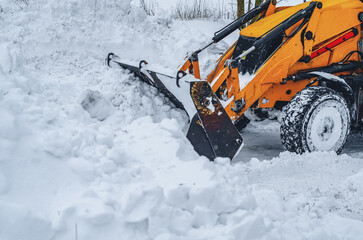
pixel 266 87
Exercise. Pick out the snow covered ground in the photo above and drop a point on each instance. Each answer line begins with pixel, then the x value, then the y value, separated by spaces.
pixel 88 152
pixel 262 141
pixel 224 6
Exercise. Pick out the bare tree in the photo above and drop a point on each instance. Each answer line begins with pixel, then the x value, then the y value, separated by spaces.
pixel 148 6
pixel 258 2
pixel 240 8
pixel 197 10
pixel 249 4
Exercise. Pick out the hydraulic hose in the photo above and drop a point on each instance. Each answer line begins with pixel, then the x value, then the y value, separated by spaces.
pixel 224 32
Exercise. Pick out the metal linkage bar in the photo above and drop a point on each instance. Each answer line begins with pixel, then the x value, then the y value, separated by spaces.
pixel 224 32
pixel 280 29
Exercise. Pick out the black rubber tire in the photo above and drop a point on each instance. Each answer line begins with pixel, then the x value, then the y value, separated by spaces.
pixel 296 115
pixel 242 123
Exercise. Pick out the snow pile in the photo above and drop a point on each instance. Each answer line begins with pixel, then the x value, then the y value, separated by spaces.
pixel 8 61
pixel 324 205
pixel 97 105
pixel 89 152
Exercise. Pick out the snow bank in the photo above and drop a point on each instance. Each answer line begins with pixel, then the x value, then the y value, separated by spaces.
pixel 89 152
pixel 18 222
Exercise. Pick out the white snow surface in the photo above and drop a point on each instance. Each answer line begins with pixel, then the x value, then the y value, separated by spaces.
pixel 89 152
pixel 164 6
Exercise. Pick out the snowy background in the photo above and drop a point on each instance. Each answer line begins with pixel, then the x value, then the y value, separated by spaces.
pixel 88 152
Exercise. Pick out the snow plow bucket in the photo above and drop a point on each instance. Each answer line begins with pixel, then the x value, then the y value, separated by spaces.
pixel 211 132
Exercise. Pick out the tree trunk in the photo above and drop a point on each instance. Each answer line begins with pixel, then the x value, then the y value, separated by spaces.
pixel 240 8
pixel 258 2
pixel 249 4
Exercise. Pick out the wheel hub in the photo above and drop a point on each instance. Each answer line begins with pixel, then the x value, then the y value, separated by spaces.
pixel 325 128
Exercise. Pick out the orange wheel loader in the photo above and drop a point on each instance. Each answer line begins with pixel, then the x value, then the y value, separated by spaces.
pixel 305 60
